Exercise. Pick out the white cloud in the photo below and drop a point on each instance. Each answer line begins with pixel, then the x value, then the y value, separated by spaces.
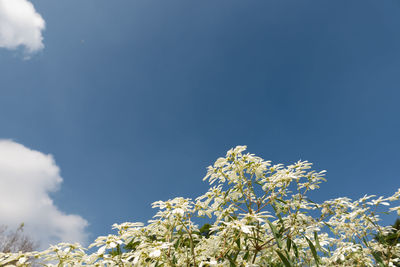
pixel 20 25
pixel 26 179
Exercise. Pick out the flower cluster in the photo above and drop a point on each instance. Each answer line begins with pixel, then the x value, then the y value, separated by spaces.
pixel 259 215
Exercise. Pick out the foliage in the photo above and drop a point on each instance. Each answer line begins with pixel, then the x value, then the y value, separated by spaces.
pixel 390 238
pixel 259 215
pixel 15 241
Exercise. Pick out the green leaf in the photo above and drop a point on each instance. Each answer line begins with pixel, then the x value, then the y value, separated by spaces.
pixel 276 212
pixel 174 259
pixel 288 243
pixel 205 230
pixel 255 238
pixel 365 242
pixel 311 201
pixel 246 256
pixel 227 192
pixel 284 259
pixel 238 242
pixel 378 259
pixel 279 206
pixel 296 251
pixel 328 252
pixel 276 234
pixel 313 250
pixel 231 261
pixel 368 219
pixel 281 200
pixel 259 183
pixel 316 240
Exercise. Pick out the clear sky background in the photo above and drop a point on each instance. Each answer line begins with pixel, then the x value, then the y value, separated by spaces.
pixel 135 98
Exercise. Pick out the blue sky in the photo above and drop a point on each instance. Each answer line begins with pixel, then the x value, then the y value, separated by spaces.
pixel 134 99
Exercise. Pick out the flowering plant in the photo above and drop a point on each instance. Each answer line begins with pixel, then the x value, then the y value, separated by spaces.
pixel 259 215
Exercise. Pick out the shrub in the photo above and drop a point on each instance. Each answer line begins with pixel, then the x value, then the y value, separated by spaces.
pixel 259 215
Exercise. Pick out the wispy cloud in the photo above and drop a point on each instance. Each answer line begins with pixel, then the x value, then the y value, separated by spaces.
pixel 26 179
pixel 20 26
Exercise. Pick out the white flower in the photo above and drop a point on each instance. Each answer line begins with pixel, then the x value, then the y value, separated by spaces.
pixel 101 250
pixel 395 209
pixel 179 211
pixel 245 229
pixel 155 253
pixel 22 260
